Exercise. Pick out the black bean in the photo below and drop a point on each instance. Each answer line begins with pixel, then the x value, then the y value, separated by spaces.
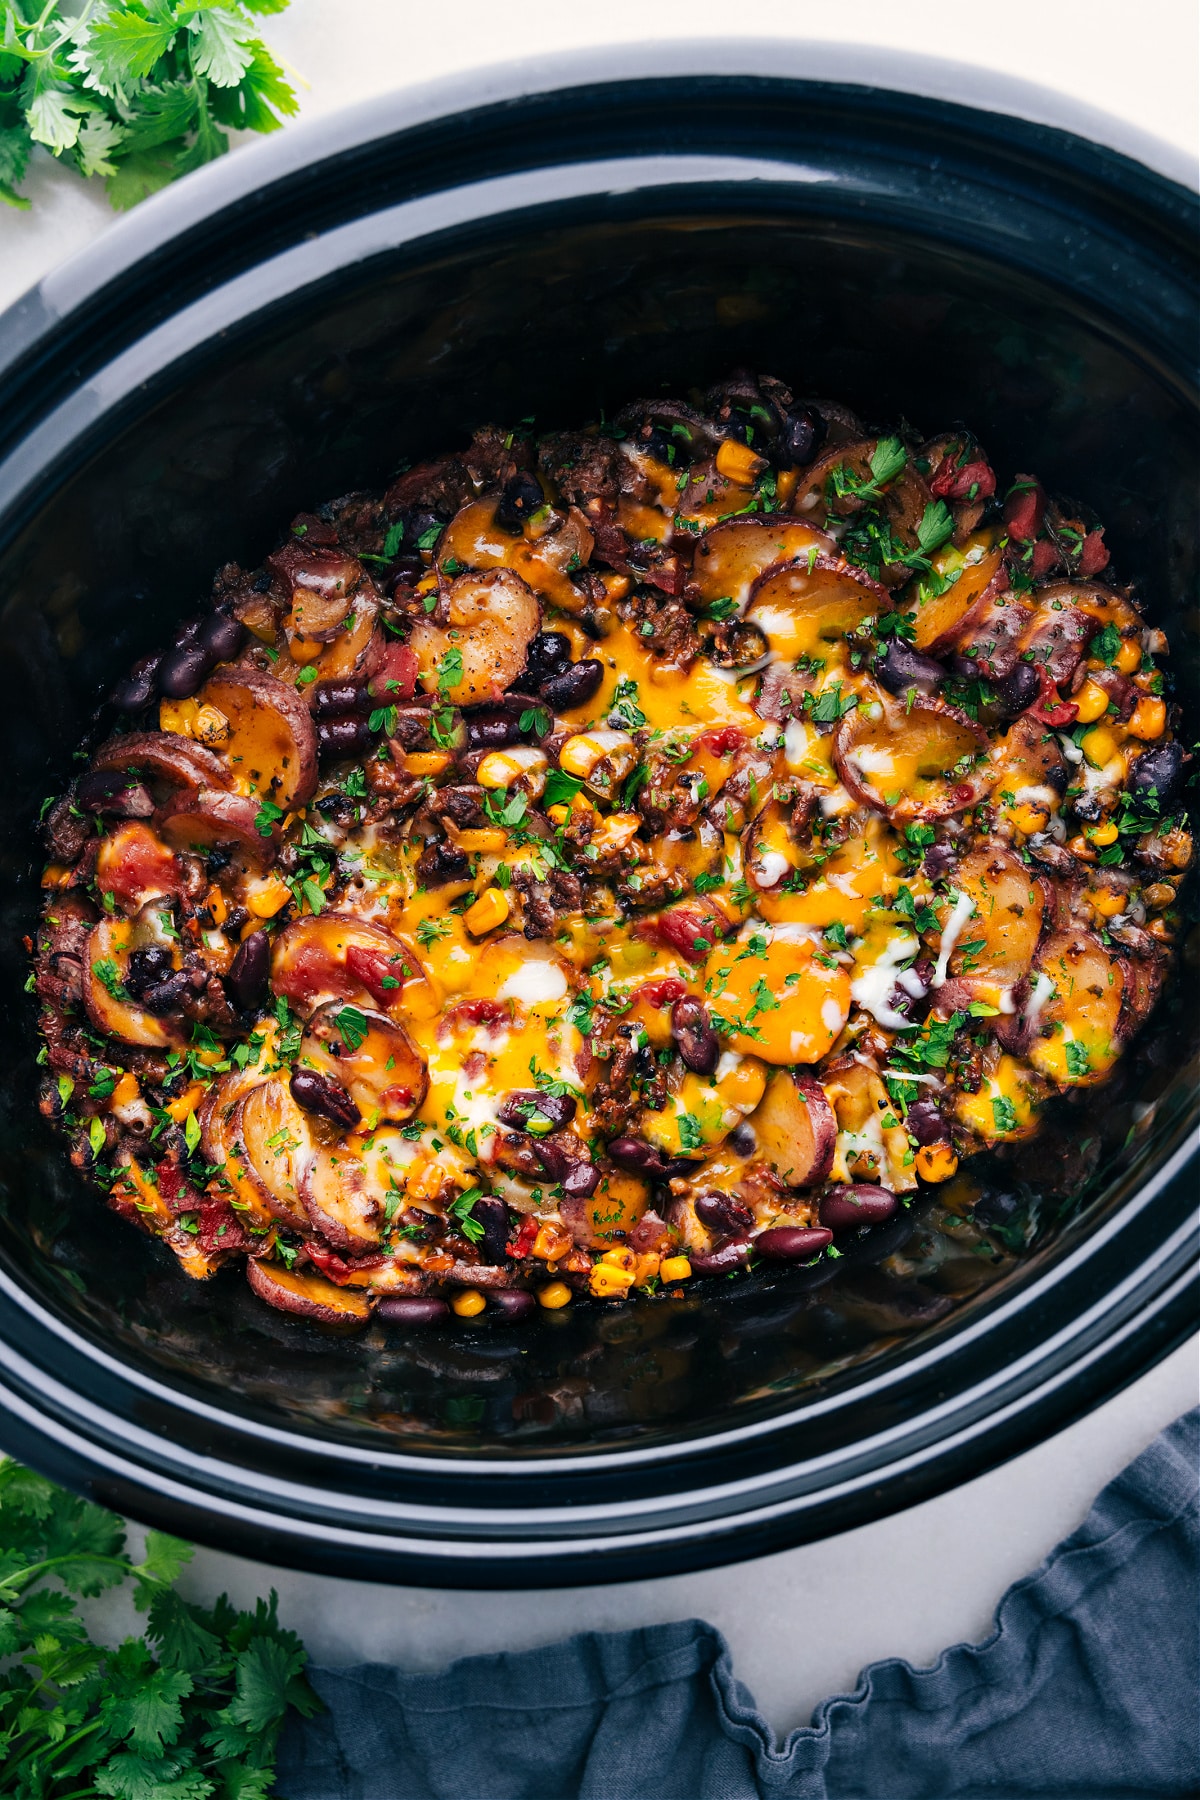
pixel 1019 690
pixel 318 1093
pixel 342 737
pixel 515 1108
pixel 574 686
pixel 247 977
pixel 147 969
pixel 492 728
pixel 492 1214
pixel 522 497
pixel 695 1038
pixel 514 1303
pixel 412 1309
pixel 113 794
pixel 900 668
pixel 581 1180
pixel 641 1158
pixel 721 1214
pixel 926 1122
pixel 803 434
pixel 548 654
pixel 732 1255
pixel 140 685
pixel 167 996
pixel 222 635
pixel 939 860
pixel 335 699
pixel 184 670
pixel 1158 770
pixel 859 1203
pixel 742 1139
pixel 792 1243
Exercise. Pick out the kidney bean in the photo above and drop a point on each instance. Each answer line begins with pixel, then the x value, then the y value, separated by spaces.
pixel 515 1108
pixel 548 654
pixel 247 977
pixel 743 1140
pixel 803 434
pixel 792 1243
pixel 1158 768
pixel 492 728
pixel 334 699
pixel 140 686
pixel 185 669
pixel 188 631
pixel 1019 690
pixel 318 1093
pixel 695 1038
pixel 722 1215
pixel 926 1123
pixel 412 1309
pixel 492 1214
pixel 641 1158
pixel 939 860
pixel 581 1180
pixel 347 736
pixel 574 686
pixel 514 1303
pixel 732 1255
pixel 147 969
pixel 900 667
pixel 222 635
pixel 522 497
pixel 114 794
pixel 842 1208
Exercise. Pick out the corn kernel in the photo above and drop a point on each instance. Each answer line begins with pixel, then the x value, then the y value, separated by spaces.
pixel 1158 928
pixel 56 875
pixel 1091 703
pixel 176 716
pixel 1079 846
pixel 1158 895
pixel 187 1102
pixel 427 584
pixel 484 840
pixel 127 1091
pixel 739 463
pixel 620 1258
pixel 491 909
pixel 560 814
pixel 616 832
pixel 675 1268
pixel 786 484
pixel 1149 718
pixel 500 768
pixel 606 1281
pixel 215 907
pixel 211 727
pixel 426 762
pixel 648 1266
pixel 1029 818
pixel 554 1295
pixel 304 649
pixel 266 898
pixel 936 1162
pixel 467 1303
pixel 551 1242
pixel 615 586
pixel 1099 746
pixel 1107 903
pixel 1102 834
pixel 579 755
pixel 1128 657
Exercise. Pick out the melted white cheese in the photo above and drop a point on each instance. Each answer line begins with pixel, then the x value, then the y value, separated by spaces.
pixel 952 930
pixel 872 989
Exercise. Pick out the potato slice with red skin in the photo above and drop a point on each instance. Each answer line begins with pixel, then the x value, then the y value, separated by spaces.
pixel 179 761
pixel 1079 1025
pixel 1004 930
pixel 308 1296
pixel 942 622
pixel 358 649
pixel 810 602
pixel 272 740
pixel 372 1057
pixel 338 1202
pixel 902 500
pixel 473 540
pixel 134 866
pixel 108 950
pixel 268 1136
pixel 732 557
pixel 217 1116
pixel 202 820
pixel 795 1129
pixel 335 957
pixel 904 763
pixel 322 581
pixel 492 620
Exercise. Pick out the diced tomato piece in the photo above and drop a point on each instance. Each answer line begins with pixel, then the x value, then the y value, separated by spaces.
pixel 524 1241
pixel 723 740
pixel 1094 554
pixel 1025 509
pixel 1051 708
pixel 134 865
pixel 396 677
pixel 950 482
pixel 489 1013
pixel 662 993
pixel 374 970
pixel 687 929
pixel 329 1262
pixel 173 1184
pixel 221 1229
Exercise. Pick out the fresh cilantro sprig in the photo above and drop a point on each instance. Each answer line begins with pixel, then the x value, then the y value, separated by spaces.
pixel 136 94
pixel 192 1709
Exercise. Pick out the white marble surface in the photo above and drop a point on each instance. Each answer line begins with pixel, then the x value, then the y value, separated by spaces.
pixel 804 1622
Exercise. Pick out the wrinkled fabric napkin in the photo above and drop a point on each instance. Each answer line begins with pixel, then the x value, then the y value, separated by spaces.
pixel 1088 1687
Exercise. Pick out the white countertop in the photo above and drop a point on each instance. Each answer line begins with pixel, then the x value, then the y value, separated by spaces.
pixel 801 1623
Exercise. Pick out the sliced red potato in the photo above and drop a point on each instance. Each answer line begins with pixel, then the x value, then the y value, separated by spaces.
pixel 335 957
pixel 782 1005
pixel 795 1129
pixel 731 557
pixel 358 649
pixel 272 742
pixel 541 557
pixel 1103 604
pixel 919 761
pixel 106 964
pixel 902 500
pixel 217 1116
pixel 1029 756
pixel 200 821
pixel 941 622
pixel 177 761
pixel 322 581
pixel 811 602
pixel 339 1201
pixel 994 945
pixel 308 1296
pixel 1080 1015
pixel 1004 1108
pixel 137 1189
pixel 872 1145
pixel 134 866
pixel 271 1146
pixel 480 651
pixel 372 1057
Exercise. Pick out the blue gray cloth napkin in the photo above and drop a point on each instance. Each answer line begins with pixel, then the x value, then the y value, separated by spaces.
pixel 1088 1687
